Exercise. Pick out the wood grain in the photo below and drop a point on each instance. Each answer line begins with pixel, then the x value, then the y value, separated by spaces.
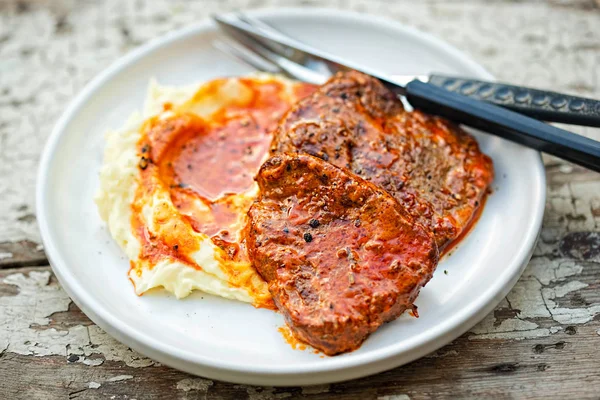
pixel 21 253
pixel 543 340
pixel 94 365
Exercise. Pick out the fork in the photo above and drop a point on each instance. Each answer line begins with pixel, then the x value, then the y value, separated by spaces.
pixel 264 48
pixel 540 104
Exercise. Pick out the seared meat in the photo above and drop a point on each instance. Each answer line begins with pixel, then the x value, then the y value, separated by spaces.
pixel 341 256
pixel 428 164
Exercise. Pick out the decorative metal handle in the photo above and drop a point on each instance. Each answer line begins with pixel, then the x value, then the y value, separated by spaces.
pixel 539 104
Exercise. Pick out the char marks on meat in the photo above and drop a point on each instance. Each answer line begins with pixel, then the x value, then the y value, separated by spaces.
pixel 432 167
pixel 340 254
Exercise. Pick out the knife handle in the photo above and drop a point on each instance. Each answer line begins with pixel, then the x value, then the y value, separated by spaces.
pixel 504 123
pixel 540 104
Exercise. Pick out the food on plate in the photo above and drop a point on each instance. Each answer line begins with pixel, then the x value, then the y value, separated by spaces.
pixel 432 167
pixel 340 254
pixel 339 229
pixel 177 182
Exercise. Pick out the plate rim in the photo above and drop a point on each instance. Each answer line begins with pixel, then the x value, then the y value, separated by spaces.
pixel 343 368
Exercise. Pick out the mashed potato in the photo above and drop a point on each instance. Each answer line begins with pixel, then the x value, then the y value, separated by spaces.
pixel 177 182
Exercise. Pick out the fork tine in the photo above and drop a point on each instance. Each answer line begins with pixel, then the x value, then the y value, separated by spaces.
pixel 260 25
pixel 271 30
pixel 243 54
pixel 292 68
pixel 257 23
pixel 286 52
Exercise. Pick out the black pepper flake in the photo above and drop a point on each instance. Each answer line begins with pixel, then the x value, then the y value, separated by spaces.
pixel 288 167
pixel 189 167
pixel 314 223
pixel 446 271
pixel 176 247
pixel 183 185
pixel 357 223
pixel 308 237
pixel 286 230
pixel 145 148
pixel 143 163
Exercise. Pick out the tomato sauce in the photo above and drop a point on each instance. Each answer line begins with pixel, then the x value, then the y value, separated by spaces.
pixel 290 339
pixel 467 229
pixel 208 165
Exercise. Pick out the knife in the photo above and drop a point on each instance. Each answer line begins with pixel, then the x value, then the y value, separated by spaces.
pixel 293 57
pixel 540 104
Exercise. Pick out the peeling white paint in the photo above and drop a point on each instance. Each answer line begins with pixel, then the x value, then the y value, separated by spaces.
pixel 563 290
pixel 102 343
pixel 394 397
pixel 92 362
pixel 33 304
pixel 94 385
pixel 548 271
pixel 575 316
pixel 515 335
pixel 260 393
pixel 508 325
pixel 568 316
pixel 583 195
pixel 533 297
pixel 316 389
pixel 441 354
pixel 119 378
pixel 527 297
pixel 194 384
pixel 36 301
pixel 566 168
pixel 4 256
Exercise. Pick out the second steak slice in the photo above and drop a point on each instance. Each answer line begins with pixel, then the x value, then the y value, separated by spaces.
pixel 340 254
pixel 433 168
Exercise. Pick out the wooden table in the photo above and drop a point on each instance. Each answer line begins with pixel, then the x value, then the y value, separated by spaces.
pixel 543 340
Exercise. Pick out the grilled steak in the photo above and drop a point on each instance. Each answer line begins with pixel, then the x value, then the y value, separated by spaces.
pixel 428 164
pixel 341 256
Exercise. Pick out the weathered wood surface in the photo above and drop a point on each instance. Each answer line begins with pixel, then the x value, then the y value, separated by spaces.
pixel 543 340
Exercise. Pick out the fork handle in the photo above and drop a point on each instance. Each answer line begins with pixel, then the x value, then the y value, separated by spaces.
pixel 504 123
pixel 540 104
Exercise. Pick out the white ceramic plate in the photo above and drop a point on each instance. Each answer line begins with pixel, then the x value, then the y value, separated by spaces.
pixel 229 340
